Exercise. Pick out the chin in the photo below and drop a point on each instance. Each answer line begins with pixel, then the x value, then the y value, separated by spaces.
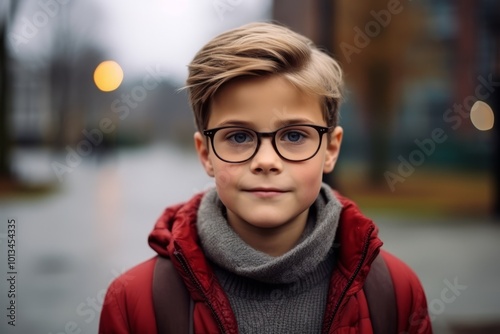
pixel 266 221
pixel 266 225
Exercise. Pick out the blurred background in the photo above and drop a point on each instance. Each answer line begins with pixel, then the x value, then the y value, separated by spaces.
pixel 96 140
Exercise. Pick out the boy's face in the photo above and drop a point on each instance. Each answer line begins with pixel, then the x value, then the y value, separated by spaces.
pixel 267 191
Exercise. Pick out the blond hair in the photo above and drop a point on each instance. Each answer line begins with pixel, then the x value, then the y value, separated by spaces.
pixel 263 49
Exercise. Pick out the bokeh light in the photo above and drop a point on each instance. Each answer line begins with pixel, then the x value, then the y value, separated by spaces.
pixel 108 76
pixel 481 116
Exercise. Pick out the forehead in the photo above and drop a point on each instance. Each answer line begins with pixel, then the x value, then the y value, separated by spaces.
pixel 263 103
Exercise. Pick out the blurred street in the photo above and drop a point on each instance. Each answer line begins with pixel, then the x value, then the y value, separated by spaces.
pixel 74 241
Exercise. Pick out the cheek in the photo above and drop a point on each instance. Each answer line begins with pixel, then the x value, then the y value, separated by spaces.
pixel 310 177
pixel 225 175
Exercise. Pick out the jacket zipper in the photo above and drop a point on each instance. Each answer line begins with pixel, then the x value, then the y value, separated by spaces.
pixel 193 278
pixel 351 279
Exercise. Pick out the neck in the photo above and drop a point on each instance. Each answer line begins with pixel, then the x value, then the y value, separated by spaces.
pixel 274 241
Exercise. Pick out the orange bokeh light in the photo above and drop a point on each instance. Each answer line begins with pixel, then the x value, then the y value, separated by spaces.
pixel 108 76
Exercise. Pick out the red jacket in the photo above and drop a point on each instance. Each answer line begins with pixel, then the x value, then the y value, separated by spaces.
pixel 128 306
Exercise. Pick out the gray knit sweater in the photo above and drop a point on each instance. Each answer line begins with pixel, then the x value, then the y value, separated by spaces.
pixel 284 294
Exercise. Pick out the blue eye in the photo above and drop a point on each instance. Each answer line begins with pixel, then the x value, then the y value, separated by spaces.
pixel 293 136
pixel 239 137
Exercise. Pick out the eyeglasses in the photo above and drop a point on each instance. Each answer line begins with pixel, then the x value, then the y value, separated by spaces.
pixel 296 143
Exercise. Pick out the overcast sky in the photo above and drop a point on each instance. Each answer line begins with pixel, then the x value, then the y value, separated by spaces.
pixel 164 33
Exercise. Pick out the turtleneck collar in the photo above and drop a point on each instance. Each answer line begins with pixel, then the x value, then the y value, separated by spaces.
pixel 226 249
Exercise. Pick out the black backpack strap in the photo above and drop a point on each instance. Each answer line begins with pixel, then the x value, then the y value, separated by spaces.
pixel 172 303
pixel 381 299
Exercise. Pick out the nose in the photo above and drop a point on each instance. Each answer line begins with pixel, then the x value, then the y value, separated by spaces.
pixel 266 159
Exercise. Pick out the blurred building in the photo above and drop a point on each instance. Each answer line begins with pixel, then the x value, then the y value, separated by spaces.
pixel 433 52
pixel 411 68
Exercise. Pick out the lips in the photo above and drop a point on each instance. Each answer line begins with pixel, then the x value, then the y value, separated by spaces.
pixel 264 189
pixel 265 192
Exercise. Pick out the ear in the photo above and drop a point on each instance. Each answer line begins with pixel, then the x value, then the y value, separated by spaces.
pixel 333 149
pixel 200 143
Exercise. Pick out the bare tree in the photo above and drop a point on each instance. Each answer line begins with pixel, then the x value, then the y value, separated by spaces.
pixel 10 8
pixel 492 9
pixel 375 37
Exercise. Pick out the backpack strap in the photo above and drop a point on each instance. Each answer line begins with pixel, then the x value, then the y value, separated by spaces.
pixel 172 304
pixel 379 291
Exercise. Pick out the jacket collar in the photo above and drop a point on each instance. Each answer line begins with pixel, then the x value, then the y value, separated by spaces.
pixel 358 245
pixel 355 233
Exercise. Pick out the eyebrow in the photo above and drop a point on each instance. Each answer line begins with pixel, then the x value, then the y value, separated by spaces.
pixel 233 122
pixel 278 123
pixel 293 121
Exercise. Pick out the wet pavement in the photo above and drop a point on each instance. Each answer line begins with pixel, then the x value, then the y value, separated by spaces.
pixel 73 242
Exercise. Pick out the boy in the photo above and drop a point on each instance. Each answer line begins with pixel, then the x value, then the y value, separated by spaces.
pixel 271 249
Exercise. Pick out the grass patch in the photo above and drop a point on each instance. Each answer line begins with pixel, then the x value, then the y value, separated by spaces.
pixel 429 193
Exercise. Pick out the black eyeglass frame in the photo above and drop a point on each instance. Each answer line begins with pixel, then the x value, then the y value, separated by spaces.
pixel 210 133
